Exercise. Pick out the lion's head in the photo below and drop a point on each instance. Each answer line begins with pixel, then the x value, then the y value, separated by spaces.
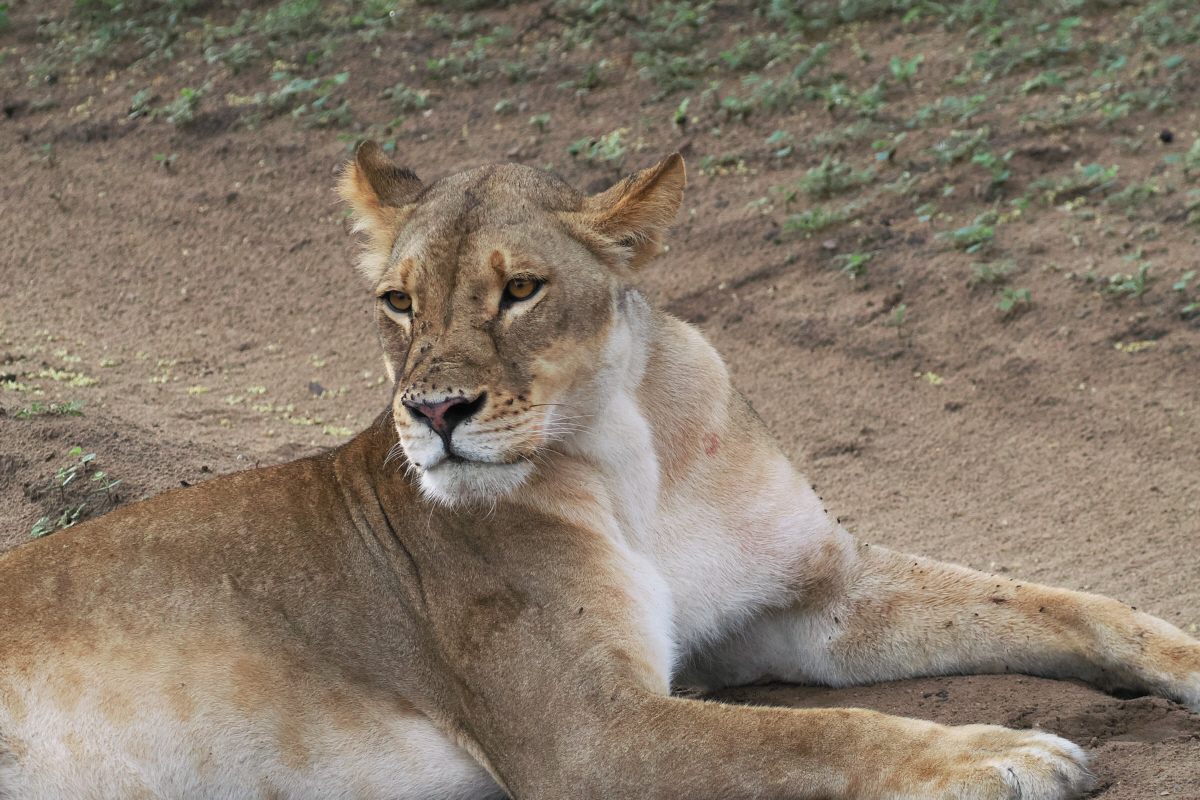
pixel 499 292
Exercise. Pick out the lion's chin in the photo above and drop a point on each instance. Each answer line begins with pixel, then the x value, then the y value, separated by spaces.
pixel 458 482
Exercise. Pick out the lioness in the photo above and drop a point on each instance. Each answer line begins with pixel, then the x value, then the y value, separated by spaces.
pixel 566 510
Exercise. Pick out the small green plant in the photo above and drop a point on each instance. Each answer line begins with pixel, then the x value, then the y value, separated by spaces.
pixel 308 99
pixel 672 26
pixel 790 193
pixel 164 160
pixel 997 165
pixel 670 73
pixel 68 472
pixel 1012 300
pixel 325 116
pixel 608 150
pixel 1131 198
pixel 961 145
pixel 1092 179
pixel 239 56
pixel 469 25
pixel 293 18
pixel 869 102
pixel 517 71
pixel 35 409
pixel 540 121
pixel 139 104
pixel 406 99
pixel 505 107
pixel 72 509
pixel 898 318
pixel 995 272
pixel 772 95
pixel 782 140
pixel 904 70
pixel 736 108
pixel 832 177
pixel 855 265
pixel 756 53
pixel 1043 81
pixel 1181 286
pixel 1130 284
pixel 971 237
pixel 106 485
pixel 468 69
pixel 956 110
pixel 866 103
pixel 722 163
pixel 1162 28
pixel 69 516
pixel 183 109
pixel 811 220
pixel 590 79
pixel 1157 98
pixel 680 117
pixel 811 68
pixel 1191 160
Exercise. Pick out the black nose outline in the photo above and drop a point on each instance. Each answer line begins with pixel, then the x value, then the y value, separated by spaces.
pixel 444 416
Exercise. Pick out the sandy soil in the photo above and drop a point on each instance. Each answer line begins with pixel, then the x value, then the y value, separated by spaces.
pixel 208 316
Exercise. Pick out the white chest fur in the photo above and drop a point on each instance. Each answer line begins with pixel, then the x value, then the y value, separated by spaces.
pixel 730 539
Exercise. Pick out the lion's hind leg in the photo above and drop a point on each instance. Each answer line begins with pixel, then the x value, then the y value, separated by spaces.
pixel 879 615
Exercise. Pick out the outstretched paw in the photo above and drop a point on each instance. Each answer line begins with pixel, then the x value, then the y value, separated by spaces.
pixel 985 762
pixel 1045 767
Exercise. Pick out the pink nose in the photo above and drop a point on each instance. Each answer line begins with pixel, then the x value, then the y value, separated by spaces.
pixel 442 417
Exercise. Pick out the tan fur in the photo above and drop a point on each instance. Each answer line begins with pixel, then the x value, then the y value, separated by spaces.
pixel 500 605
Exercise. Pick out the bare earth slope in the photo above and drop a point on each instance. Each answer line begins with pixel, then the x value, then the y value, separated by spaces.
pixel 189 281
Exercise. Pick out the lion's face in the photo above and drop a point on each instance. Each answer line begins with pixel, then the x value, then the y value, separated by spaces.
pixel 496 292
pixel 492 320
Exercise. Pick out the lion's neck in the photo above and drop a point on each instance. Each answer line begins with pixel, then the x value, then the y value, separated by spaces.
pixel 680 473
pixel 663 424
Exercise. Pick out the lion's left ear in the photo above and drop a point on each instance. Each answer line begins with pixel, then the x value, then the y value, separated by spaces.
pixel 380 194
pixel 633 215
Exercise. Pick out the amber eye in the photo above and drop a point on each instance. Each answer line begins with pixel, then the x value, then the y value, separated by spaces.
pixel 521 288
pixel 398 301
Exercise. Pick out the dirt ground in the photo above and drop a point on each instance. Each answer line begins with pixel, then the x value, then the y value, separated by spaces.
pixel 192 286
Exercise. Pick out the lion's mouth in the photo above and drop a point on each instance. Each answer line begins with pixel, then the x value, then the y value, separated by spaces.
pixel 452 458
pixel 429 452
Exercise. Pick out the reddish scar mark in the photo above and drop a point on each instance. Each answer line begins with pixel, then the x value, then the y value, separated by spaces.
pixel 997 600
pixel 712 443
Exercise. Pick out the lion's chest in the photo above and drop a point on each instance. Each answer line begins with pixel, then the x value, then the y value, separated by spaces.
pixel 710 555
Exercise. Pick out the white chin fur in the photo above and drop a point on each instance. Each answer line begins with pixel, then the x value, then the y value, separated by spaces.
pixel 455 483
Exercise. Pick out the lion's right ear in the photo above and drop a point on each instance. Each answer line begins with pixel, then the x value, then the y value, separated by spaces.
pixel 380 194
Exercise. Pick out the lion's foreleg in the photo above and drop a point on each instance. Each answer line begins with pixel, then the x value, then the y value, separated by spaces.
pixel 652 746
pixel 880 615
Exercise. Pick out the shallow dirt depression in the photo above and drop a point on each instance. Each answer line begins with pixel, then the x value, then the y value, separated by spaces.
pixel 185 287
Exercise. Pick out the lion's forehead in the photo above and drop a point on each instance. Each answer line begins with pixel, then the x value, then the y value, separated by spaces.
pixel 493 190
pixel 442 254
pixel 459 219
